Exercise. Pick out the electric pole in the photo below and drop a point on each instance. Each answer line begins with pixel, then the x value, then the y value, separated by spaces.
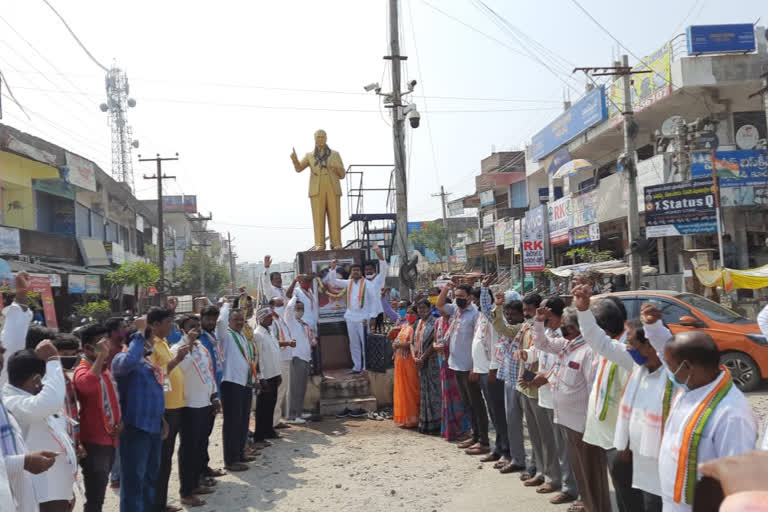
pixel 203 245
pixel 398 135
pixel 231 261
pixel 443 195
pixel 159 176
pixel 628 160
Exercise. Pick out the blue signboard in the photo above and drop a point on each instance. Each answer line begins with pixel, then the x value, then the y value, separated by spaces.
pixel 737 37
pixel 585 113
pixel 740 168
pixel 685 208
pixel 560 157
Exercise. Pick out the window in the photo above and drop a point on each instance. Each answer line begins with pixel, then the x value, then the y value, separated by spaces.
pixel 712 309
pixel 671 311
pixel 632 304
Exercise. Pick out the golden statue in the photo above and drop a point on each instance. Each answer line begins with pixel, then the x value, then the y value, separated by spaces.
pixel 324 189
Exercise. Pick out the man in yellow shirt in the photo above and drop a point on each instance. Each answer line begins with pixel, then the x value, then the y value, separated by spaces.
pixel 160 322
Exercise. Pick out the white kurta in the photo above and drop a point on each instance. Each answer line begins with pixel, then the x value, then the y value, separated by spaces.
pixel 44 427
pixel 197 367
pixel 272 292
pixel 301 330
pixel 355 312
pixel 14 334
pixel 17 481
pixel 269 353
pixel 731 430
pixel 377 282
pixel 236 366
pixel 309 299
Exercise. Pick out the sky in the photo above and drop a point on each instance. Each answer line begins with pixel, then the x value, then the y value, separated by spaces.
pixel 233 86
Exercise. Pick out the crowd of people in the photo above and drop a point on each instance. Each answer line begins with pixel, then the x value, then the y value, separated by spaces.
pixel 598 394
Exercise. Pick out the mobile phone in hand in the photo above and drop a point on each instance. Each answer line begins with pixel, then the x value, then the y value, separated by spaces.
pixel 708 495
pixel 528 375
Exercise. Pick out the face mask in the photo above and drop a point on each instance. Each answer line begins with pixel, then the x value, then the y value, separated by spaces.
pixel 461 303
pixel 673 377
pixel 401 313
pixel 306 285
pixel 69 362
pixel 639 358
pixel 299 315
pixel 411 318
pixel 369 275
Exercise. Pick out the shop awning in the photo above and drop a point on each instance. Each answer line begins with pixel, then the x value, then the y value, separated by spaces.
pixel 750 279
pixel 613 267
pixel 77 269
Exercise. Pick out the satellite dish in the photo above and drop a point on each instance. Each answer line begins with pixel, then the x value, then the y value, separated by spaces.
pixel 131 102
pixel 669 127
pixel 103 107
pixel 135 143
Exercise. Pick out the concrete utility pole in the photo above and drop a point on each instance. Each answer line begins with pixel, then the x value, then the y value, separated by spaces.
pixel 443 195
pixel 159 176
pixel 628 161
pixel 398 135
pixel 203 245
pixel 231 261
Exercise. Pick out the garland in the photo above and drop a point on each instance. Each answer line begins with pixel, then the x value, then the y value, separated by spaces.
pixel 322 289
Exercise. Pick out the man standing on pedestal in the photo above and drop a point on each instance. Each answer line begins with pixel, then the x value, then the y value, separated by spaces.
pixel 324 189
pixel 360 299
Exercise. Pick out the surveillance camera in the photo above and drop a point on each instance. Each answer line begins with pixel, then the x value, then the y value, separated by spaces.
pixel 414 118
pixel 372 87
pixel 411 85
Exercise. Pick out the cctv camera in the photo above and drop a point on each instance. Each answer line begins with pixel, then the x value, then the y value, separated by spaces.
pixel 414 118
pixel 371 87
pixel 411 85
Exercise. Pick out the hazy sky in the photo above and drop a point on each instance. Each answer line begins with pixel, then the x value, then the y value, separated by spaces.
pixel 232 86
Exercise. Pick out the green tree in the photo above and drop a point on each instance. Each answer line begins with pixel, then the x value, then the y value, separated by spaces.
pixel 98 310
pixel 189 273
pixel 432 236
pixel 586 255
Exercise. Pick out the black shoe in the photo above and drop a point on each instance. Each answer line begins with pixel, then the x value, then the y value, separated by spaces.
pixel 358 413
pixel 343 414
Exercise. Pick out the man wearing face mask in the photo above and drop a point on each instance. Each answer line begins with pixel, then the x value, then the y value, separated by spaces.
pixel 307 295
pixel 302 356
pixel 100 420
pixel 709 417
pixel 376 280
pixel 269 375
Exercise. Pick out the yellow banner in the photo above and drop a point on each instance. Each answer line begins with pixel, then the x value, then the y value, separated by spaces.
pixel 647 88
pixel 751 279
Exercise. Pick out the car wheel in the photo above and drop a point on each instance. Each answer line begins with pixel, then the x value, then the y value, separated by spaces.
pixel 744 370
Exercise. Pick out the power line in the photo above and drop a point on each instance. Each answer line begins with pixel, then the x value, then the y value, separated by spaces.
pixel 75 36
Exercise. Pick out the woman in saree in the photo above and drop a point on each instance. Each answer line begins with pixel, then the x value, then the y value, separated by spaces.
pixel 406 395
pixel 455 423
pixel 431 402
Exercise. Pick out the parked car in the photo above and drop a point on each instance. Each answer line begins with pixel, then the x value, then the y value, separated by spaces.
pixel 744 349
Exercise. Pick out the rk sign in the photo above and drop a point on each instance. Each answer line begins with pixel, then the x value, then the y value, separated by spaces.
pixel 534 233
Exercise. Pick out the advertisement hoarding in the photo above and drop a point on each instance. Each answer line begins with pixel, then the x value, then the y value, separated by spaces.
pixel 180 204
pixel 80 172
pixel 487 199
pixel 686 208
pixel 584 234
pixel 742 167
pixel 42 285
pixel 734 37
pixel 534 234
pixel 559 219
pixel 647 88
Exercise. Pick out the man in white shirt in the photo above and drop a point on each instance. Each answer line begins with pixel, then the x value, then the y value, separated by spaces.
pixel 361 298
pixel 16 465
pixel 709 417
pixel 269 376
pixel 201 402
pixel 305 339
pixel 306 293
pixel 286 342
pixel 237 383
pixel 16 319
pixel 272 286
pixel 376 279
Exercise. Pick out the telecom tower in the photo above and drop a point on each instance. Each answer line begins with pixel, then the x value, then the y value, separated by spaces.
pixel 118 103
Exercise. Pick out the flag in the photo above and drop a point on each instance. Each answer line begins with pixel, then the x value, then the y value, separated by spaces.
pixel 725 169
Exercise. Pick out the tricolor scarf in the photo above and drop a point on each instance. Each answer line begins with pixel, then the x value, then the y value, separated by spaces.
pixel 606 375
pixel 688 458
pixel 650 442
pixel 360 293
pixel 248 355
pixel 109 399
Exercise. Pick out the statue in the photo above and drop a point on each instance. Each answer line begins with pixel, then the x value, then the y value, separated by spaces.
pixel 324 189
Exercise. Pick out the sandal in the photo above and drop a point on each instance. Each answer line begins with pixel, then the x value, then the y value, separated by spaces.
pixel 547 488
pixel 525 475
pixel 203 490
pixel 577 507
pixel 562 498
pixel 239 466
pixel 190 501
pixel 215 473
pixel 534 482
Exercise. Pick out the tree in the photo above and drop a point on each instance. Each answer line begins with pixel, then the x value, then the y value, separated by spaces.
pixel 587 255
pixel 136 274
pixel 189 273
pixel 432 236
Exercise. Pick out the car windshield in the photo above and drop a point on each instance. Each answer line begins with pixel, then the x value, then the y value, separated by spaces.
pixel 712 309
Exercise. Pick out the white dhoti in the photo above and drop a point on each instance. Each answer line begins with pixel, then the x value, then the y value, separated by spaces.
pixel 281 407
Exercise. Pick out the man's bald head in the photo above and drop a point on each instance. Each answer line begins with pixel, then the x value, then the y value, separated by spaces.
pixel 696 347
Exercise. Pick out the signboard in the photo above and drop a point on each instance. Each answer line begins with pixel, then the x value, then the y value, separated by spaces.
pixel 559 219
pixel 93 252
pixel 499 232
pixel 487 199
pixel 54 186
pixel 584 114
pixel 460 250
pixel 647 88
pixel 518 235
pixel 735 37
pixel 55 279
pixel 80 172
pixel 584 209
pixel 456 208
pixel 509 235
pixel 6 276
pixel 747 136
pixel 115 252
pixel 534 232
pixel 584 234
pixel 332 302
pixel 556 160
pixel 93 285
pixel 42 285
pixel 180 204
pixel 612 198
pixel 748 167
pixel 155 233
pixel 10 241
pixel 139 223
pixel 489 246
pixel 75 283
pixel 414 227
pixel 686 208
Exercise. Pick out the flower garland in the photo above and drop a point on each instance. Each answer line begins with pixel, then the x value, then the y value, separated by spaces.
pixel 322 289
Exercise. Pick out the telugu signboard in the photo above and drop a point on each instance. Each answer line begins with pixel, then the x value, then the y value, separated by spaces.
pixel 500 231
pixel 647 88
pixel 509 235
pixel 10 241
pixel 180 204
pixel 584 209
pixel 735 37
pixel 584 114
pixel 584 234
pixel 741 168
pixel 487 199
pixel 80 172
pixel 686 208
pixel 559 218
pixel 42 285
pixel 534 233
